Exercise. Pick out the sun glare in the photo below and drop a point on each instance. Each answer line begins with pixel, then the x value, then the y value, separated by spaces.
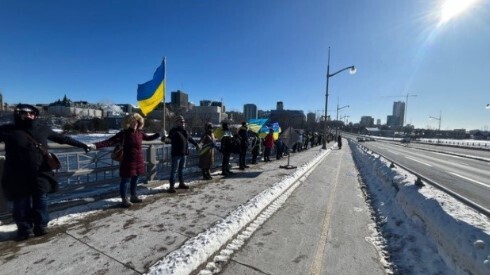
pixel 452 8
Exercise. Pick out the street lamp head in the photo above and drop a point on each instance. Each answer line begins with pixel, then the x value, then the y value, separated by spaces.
pixel 487 107
pixel 353 70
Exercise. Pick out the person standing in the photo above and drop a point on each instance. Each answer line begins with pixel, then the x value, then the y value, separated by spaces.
pixel 27 178
pixel 339 142
pixel 268 144
pixel 226 149
pixel 132 165
pixel 256 148
pixel 206 154
pixel 279 148
pixel 243 134
pixel 179 138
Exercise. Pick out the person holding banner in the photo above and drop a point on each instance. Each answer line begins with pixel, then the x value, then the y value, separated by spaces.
pixel 268 144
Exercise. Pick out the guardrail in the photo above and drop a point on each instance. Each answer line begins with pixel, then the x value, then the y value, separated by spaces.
pixel 421 179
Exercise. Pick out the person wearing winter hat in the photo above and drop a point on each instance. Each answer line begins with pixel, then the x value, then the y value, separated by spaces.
pixel 179 138
pixel 27 178
pixel 132 164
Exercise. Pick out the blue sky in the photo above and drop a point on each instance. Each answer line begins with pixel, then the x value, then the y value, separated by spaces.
pixel 255 51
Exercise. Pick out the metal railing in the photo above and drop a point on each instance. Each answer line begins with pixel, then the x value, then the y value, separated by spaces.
pixel 85 174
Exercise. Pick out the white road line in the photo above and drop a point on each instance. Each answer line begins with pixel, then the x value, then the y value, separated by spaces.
pixel 472 180
pixel 416 160
pixel 448 155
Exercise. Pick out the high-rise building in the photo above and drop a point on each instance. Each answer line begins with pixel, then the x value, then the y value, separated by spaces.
pixel 205 102
pixel 180 99
pixel 367 121
pixel 250 111
pixel 399 112
pixel 279 106
pixel 310 117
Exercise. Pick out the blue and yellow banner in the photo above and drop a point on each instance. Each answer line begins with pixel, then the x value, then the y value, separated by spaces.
pixel 265 130
pixel 255 124
pixel 151 93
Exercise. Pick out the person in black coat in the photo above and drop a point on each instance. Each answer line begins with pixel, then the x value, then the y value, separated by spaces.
pixel 243 134
pixel 180 139
pixel 27 178
pixel 226 149
pixel 339 142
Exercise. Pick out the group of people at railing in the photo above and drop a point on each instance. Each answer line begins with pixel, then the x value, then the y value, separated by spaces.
pixel 27 178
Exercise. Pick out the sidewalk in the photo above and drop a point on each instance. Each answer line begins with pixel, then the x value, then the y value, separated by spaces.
pixel 129 241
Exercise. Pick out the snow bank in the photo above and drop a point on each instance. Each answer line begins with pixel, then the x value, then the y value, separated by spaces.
pixel 424 225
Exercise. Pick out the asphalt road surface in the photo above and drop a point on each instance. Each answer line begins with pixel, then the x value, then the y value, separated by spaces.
pixel 323 228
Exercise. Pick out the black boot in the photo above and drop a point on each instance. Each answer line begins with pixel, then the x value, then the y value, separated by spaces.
pixel 208 174
pixel 182 185
pixel 171 189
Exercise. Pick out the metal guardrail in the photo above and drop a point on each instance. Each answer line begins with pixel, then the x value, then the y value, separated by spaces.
pixel 421 178
pixel 96 173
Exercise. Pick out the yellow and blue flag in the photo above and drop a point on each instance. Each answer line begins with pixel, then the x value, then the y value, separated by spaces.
pixel 266 128
pixel 255 124
pixel 151 93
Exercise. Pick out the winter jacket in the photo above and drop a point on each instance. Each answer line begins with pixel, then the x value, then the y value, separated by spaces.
pixel 132 163
pixel 269 141
pixel 206 153
pixel 25 173
pixel 180 138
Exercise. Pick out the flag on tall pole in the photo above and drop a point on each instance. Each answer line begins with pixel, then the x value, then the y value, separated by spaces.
pixel 151 93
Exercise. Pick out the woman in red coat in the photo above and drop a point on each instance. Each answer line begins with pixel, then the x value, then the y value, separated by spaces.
pixel 132 164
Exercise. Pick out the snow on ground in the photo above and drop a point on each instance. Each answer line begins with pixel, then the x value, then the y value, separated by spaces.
pixel 425 230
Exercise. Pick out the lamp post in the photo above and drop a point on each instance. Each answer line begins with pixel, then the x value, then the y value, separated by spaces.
pixel 337 128
pixel 439 118
pixel 352 71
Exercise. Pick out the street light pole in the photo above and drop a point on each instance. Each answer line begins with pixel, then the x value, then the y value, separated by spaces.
pixel 337 119
pixel 440 118
pixel 352 71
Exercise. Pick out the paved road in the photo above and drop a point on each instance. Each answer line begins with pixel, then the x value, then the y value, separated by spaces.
pixel 465 176
pixel 323 228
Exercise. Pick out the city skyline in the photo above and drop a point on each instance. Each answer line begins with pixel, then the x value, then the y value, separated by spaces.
pixel 255 51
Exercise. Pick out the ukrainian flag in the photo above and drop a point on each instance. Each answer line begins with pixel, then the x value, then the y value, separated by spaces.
pixel 151 93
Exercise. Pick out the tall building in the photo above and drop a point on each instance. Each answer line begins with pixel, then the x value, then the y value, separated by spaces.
pixel 279 106
pixel 205 102
pixel 367 121
pixel 310 117
pixel 250 111
pixel 399 113
pixel 180 99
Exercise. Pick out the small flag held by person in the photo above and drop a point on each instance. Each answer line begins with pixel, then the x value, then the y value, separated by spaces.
pixel 151 93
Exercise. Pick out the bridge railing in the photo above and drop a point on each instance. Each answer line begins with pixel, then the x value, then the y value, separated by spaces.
pixel 85 174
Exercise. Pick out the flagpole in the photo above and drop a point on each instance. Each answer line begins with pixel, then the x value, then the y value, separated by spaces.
pixel 165 91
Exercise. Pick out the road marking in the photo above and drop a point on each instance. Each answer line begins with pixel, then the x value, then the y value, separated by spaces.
pixel 317 266
pixel 472 180
pixel 416 160
pixel 448 155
